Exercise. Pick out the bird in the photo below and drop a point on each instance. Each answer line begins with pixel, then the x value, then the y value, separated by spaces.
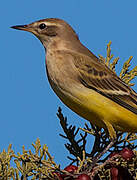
pixel 82 81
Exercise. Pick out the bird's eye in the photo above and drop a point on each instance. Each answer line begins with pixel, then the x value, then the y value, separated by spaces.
pixel 42 26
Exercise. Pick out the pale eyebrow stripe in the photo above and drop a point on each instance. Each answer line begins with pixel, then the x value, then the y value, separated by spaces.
pixel 51 24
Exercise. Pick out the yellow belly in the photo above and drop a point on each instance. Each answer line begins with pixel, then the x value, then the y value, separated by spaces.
pixel 98 109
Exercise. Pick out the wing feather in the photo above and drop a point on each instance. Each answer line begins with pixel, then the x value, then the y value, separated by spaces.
pixel 96 75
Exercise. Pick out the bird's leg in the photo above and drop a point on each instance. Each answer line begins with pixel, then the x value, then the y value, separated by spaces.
pixel 111 131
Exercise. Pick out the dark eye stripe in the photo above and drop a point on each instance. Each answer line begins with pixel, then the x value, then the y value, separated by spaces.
pixel 51 31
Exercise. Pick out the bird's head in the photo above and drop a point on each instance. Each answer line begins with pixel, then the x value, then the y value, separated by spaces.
pixel 50 30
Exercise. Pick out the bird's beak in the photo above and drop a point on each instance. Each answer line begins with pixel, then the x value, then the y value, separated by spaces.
pixel 23 27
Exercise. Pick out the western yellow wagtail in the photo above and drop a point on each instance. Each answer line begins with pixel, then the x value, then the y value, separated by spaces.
pixel 82 81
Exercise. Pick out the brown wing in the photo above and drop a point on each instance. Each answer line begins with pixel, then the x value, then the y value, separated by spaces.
pixel 96 75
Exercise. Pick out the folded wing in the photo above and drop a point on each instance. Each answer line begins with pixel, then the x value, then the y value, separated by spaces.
pixel 96 75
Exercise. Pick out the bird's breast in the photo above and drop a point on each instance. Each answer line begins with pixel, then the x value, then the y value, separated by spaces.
pixel 61 71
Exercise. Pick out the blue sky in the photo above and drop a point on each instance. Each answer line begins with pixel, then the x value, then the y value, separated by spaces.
pixel 27 103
